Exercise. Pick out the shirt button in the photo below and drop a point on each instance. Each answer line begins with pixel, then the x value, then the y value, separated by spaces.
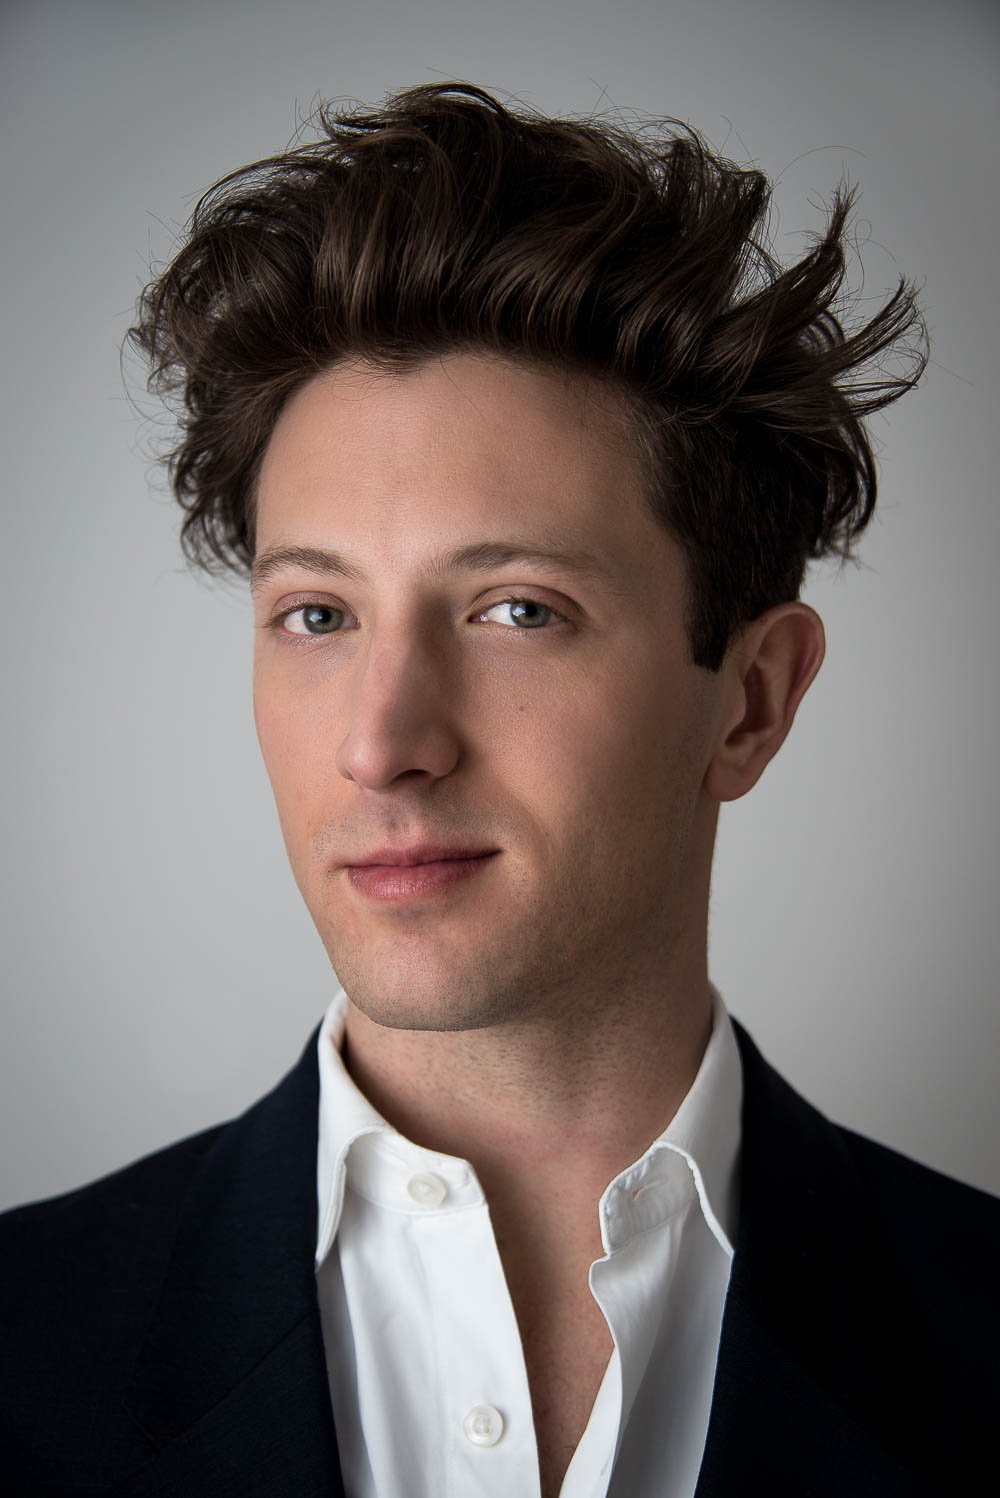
pixel 483 1425
pixel 428 1190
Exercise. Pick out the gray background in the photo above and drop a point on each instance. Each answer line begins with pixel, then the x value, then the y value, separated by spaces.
pixel 160 969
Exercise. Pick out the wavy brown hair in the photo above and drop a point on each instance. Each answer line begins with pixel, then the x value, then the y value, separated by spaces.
pixel 445 221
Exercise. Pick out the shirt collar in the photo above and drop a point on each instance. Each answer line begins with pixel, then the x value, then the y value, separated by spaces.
pixel 704 1134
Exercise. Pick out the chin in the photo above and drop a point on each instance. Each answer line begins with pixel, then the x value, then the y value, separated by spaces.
pixel 408 1009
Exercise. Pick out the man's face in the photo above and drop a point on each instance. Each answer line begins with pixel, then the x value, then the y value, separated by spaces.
pixel 567 730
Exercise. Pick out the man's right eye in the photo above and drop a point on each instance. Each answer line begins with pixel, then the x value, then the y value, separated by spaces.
pixel 313 619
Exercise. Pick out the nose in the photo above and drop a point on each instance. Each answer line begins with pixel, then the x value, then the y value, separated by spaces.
pixel 403 705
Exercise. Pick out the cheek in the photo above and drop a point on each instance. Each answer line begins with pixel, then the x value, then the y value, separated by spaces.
pixel 624 764
pixel 596 755
pixel 292 749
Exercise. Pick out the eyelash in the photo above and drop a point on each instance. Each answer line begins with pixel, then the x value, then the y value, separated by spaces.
pixel 302 639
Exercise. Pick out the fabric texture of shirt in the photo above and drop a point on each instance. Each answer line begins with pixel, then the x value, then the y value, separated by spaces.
pixel 427 1374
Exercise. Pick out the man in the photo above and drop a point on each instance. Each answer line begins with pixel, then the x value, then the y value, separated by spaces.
pixel 524 444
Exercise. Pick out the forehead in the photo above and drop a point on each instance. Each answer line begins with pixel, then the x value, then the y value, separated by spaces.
pixel 489 410
pixel 459 444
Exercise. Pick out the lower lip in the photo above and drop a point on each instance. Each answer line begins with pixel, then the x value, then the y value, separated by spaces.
pixel 382 881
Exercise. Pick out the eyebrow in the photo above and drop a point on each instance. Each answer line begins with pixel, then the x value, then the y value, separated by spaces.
pixel 481 556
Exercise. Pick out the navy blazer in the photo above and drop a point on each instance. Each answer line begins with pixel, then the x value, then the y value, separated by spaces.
pixel 160 1332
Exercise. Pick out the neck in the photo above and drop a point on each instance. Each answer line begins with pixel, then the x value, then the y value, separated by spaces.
pixel 571 1094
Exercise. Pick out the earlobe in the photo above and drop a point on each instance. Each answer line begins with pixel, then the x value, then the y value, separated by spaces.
pixel 772 667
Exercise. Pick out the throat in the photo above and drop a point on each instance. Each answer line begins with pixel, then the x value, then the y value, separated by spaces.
pixel 565 1339
pixel 566 1357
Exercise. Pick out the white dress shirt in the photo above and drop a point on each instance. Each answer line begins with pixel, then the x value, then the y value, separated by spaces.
pixel 427 1374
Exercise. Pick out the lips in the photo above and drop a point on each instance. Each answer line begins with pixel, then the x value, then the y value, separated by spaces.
pixel 406 858
pixel 391 884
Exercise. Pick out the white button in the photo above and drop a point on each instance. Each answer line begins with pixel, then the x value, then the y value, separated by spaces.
pixel 483 1425
pixel 428 1190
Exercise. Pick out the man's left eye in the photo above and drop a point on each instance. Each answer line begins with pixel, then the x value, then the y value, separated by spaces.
pixel 525 611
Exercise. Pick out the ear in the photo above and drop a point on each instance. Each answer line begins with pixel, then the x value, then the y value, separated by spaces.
pixel 770 667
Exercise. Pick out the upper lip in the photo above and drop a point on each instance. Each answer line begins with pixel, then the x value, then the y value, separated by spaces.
pixel 419 853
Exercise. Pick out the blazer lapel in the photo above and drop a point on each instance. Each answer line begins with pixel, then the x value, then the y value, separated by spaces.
pixel 230 1395
pixel 804 1403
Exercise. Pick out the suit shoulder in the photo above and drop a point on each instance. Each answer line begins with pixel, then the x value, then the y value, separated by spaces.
pixel 912 1183
pixel 948 1232
pixel 64 1254
pixel 133 1192
pixel 79 1278
pixel 903 1185
pixel 942 1235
